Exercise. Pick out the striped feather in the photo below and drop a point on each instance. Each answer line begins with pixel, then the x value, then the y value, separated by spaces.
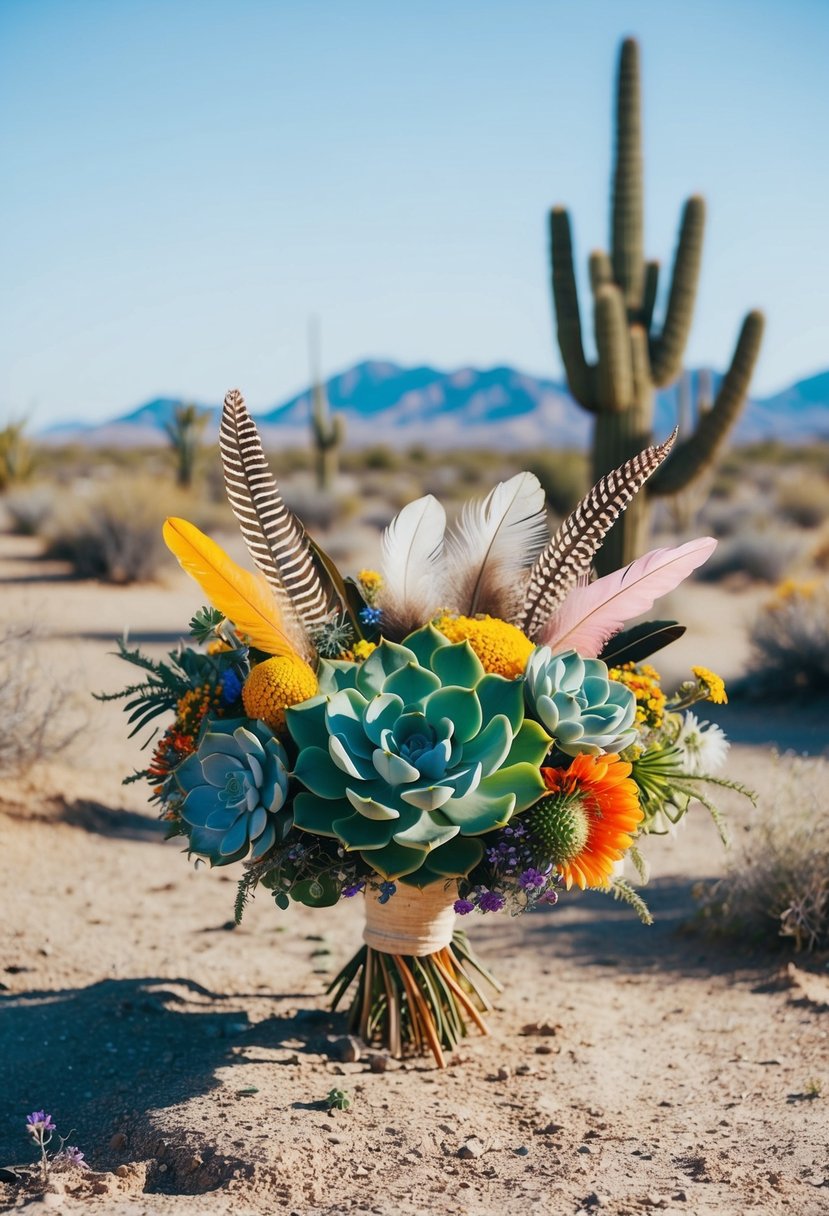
pixel 273 534
pixel 569 555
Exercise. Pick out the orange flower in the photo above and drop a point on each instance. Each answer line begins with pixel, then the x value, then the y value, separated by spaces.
pixel 592 811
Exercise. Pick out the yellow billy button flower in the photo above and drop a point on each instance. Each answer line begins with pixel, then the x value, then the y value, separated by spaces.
pixel 363 649
pixel 371 584
pixel 714 685
pixel 501 647
pixel 274 685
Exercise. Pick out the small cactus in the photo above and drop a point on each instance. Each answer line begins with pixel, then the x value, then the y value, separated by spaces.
pixel 17 461
pixel 327 428
pixel 184 430
pixel 634 357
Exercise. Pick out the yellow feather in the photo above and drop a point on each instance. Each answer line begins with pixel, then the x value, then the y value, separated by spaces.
pixel 245 599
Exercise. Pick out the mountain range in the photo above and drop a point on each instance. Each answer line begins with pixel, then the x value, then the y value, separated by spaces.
pixel 383 402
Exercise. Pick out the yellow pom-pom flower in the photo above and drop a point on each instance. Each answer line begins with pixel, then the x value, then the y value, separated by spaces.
pixel 363 649
pixel 501 647
pixel 713 684
pixel 274 685
pixel 371 583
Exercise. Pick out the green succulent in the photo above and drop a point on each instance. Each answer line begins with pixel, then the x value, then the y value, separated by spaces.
pixel 412 755
pixel 582 708
pixel 234 786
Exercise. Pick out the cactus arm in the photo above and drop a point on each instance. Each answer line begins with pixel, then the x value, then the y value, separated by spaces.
pixel 614 371
pixel 601 269
pixel 667 350
pixel 627 222
pixel 689 459
pixel 649 296
pixel 568 318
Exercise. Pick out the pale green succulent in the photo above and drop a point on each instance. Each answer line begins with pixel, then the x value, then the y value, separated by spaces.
pixel 582 708
pixel 235 786
pixel 411 756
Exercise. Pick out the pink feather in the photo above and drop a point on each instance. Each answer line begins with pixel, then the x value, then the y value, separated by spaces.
pixel 591 615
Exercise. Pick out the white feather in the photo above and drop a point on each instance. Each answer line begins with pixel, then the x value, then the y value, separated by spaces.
pixel 412 563
pixel 493 543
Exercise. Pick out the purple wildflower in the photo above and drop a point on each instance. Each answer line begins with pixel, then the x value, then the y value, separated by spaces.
pixel 353 889
pixel 532 880
pixel 550 897
pixel 464 906
pixel 39 1123
pixel 71 1155
pixel 490 901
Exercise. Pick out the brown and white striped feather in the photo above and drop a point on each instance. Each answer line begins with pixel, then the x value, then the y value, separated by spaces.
pixel 569 555
pixel 274 536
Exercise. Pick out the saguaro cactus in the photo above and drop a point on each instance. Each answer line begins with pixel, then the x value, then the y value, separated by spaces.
pixel 635 356
pixel 184 430
pixel 327 429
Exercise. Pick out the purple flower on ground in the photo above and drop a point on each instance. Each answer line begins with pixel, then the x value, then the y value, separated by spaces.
pixel 550 897
pixel 39 1123
pixel 71 1155
pixel 489 901
pixel 463 907
pixel 354 889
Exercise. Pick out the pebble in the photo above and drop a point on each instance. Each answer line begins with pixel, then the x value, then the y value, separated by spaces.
pixel 523 1151
pixel 119 1140
pixel 473 1148
pixel 503 1074
pixel 593 1200
pixel 345 1048
pixel 379 1063
pixel 584 1148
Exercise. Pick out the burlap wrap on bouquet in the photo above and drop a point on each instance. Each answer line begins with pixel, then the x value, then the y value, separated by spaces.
pixel 412 922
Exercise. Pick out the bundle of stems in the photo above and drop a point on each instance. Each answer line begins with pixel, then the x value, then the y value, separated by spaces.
pixel 412 1005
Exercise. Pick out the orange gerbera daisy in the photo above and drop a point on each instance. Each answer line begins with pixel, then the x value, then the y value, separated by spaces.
pixel 587 819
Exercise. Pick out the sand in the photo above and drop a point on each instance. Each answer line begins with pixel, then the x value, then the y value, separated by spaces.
pixel 192 1058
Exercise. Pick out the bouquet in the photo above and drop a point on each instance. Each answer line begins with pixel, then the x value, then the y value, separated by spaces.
pixel 468 729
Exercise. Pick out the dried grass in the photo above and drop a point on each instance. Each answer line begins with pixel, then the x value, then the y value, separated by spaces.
pixel 790 644
pixel 35 722
pixel 777 884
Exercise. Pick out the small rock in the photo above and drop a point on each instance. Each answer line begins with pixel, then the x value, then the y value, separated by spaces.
pixel 9 1175
pixel 584 1148
pixel 680 1196
pixel 379 1063
pixel 119 1140
pixel 361 1172
pixel 551 1129
pixel 122 1171
pixel 345 1048
pixel 503 1074
pixel 524 1070
pixel 473 1148
pixel 542 1028
pixel 655 1201
pixel 192 1164
pixel 523 1151
pixel 593 1200
pixel 544 1049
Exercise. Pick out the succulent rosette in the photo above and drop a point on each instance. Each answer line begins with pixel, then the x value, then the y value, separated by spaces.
pixel 583 709
pixel 413 755
pixel 234 789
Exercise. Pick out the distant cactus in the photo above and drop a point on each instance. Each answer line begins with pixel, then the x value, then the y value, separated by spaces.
pixel 184 431
pixel 327 429
pixel 17 459
pixel 633 357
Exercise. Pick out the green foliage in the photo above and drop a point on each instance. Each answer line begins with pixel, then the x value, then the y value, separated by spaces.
pixel 624 893
pixel 205 622
pixel 634 356
pixel 338 1099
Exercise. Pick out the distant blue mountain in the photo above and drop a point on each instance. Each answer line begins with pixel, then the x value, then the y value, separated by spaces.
pixel 383 402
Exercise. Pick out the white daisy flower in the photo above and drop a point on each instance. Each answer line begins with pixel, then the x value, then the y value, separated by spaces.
pixel 703 744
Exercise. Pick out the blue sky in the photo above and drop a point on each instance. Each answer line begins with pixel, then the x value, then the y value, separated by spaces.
pixel 186 181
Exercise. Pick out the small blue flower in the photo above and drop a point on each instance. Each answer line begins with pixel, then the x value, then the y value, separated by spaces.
pixel 370 615
pixel 387 889
pixel 354 889
pixel 231 687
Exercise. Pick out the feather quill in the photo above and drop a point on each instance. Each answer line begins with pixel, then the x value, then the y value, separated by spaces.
pixel 493 544
pixel 569 555
pixel 591 615
pixel 244 598
pixel 411 566
pixel 274 536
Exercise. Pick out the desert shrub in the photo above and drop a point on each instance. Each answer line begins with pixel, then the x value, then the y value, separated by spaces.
pixel 35 721
pixel 777 883
pixel 804 500
pixel 318 510
pixel 790 643
pixel 114 534
pixel 564 477
pixel 759 554
pixel 29 509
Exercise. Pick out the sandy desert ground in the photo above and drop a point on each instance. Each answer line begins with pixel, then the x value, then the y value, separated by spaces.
pixel 674 1073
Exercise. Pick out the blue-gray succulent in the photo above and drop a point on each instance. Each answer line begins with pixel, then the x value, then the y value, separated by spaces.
pixel 575 699
pixel 235 786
